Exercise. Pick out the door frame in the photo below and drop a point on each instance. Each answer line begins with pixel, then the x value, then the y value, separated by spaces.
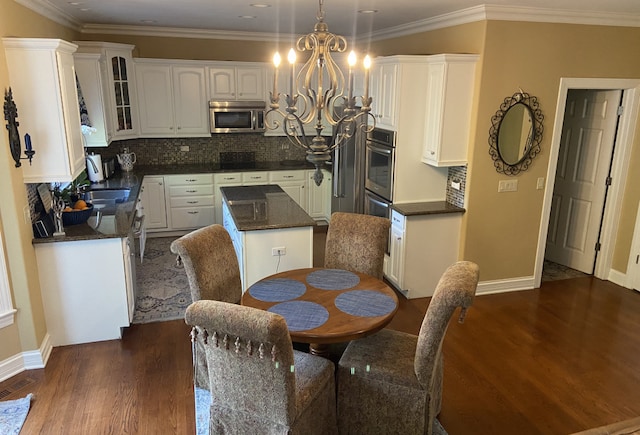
pixel 620 166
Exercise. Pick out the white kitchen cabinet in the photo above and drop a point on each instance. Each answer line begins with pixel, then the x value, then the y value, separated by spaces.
pixel 190 198
pixel 255 177
pixel 421 249
pixel 254 249
pixel 154 203
pixel 319 197
pixel 239 81
pixel 294 183
pixel 90 77
pixel 43 83
pixel 87 292
pixel 119 84
pixel 223 179
pixel 450 87
pixel 172 99
pixel 384 78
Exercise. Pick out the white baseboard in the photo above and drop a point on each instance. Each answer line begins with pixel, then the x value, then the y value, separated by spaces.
pixel 618 278
pixel 34 359
pixel 505 285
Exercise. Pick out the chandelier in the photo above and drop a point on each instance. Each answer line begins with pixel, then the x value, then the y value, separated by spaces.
pixel 315 92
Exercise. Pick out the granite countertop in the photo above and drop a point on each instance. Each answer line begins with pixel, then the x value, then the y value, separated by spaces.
pixel 264 207
pixel 426 208
pixel 116 223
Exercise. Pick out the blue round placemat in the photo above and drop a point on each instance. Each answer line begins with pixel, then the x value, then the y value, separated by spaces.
pixel 333 279
pixel 301 315
pixel 277 290
pixel 365 303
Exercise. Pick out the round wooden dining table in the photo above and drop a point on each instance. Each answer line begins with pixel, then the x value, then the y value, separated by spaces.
pixel 323 306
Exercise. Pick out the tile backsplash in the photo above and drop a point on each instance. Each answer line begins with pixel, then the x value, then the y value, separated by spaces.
pixel 456 174
pixel 202 150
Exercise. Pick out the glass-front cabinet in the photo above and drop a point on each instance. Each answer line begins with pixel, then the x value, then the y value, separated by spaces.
pixel 119 87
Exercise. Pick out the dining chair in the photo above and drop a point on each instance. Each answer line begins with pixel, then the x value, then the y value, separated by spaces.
pixel 212 269
pixel 391 382
pixel 258 383
pixel 357 242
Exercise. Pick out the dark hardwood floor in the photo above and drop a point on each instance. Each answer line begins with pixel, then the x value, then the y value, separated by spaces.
pixel 555 360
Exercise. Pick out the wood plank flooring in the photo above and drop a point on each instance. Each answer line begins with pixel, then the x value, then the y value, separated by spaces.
pixel 555 360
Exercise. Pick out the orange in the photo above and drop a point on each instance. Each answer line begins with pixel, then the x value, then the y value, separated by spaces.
pixel 80 204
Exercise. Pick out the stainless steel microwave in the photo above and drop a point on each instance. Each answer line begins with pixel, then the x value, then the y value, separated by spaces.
pixel 236 116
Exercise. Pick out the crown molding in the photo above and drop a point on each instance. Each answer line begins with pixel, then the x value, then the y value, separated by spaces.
pixel 179 32
pixel 46 9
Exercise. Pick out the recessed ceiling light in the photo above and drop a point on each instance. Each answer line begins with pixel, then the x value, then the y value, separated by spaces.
pixel 260 5
pixel 75 3
pixel 85 9
pixel 148 21
pixel 247 17
pixel 367 11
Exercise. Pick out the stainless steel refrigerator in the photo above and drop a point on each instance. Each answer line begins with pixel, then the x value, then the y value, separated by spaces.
pixel 348 175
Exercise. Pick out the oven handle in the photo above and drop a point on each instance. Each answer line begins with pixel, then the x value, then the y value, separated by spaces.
pixel 384 204
pixel 379 148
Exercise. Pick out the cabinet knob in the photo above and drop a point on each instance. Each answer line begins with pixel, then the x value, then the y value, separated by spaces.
pixel 170 128
pixel 179 128
pixel 432 152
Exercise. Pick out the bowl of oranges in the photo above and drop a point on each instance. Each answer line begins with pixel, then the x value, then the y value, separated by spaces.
pixel 78 214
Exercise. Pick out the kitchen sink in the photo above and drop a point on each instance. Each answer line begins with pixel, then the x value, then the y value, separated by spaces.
pixel 107 196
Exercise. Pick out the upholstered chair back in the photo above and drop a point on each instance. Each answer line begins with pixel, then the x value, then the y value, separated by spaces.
pixel 250 362
pixel 357 242
pixel 211 264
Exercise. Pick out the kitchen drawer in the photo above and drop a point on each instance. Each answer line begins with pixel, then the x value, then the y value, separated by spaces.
pixel 195 190
pixel 191 217
pixel 277 176
pixel 398 220
pixel 188 179
pixel 255 177
pixel 228 178
pixel 191 201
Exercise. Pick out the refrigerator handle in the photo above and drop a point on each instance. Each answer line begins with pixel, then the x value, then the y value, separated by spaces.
pixel 337 170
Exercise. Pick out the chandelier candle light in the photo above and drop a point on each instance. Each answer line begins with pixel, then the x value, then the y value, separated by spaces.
pixel 319 102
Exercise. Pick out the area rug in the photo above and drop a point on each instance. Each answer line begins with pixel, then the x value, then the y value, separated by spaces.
pixel 162 289
pixel 203 403
pixel 13 413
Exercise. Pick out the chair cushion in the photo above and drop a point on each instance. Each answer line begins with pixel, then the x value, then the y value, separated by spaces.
pixel 312 374
pixel 393 365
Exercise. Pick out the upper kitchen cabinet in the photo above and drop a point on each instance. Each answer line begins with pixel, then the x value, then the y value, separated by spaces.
pixel 384 79
pixel 90 78
pixel 119 84
pixel 43 81
pixel 450 86
pixel 241 81
pixel 172 98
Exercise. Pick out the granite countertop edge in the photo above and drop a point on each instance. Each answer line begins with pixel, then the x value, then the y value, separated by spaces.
pixel 426 208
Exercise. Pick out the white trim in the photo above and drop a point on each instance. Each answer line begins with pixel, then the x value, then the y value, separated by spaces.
pixel 617 277
pixel 505 285
pixel 624 142
pixel 462 16
pixel 7 310
pixel 35 359
pixel 48 10
pixel 632 268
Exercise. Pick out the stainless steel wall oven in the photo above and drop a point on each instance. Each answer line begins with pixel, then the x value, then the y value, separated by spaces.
pixel 379 158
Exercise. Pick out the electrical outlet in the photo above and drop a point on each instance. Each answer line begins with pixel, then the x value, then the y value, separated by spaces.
pixel 278 251
pixel 184 148
pixel 455 185
pixel 508 186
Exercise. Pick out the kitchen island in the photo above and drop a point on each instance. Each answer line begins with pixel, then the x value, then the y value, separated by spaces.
pixel 270 232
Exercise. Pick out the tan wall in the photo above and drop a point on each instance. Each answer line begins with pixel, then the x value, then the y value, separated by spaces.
pixel 30 329
pixel 500 230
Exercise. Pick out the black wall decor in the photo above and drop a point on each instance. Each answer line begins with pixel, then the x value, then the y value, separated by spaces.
pixel 10 115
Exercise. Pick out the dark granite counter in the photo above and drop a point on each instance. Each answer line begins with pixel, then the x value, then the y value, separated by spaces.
pixel 116 222
pixel 264 207
pixel 425 208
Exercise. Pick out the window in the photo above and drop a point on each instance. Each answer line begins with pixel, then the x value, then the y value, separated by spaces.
pixel 6 305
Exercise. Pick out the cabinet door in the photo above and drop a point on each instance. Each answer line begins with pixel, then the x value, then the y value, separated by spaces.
pixel 387 95
pixel 69 92
pixel 222 83
pixel 154 203
pixel 319 197
pixel 91 81
pixel 227 179
pixel 121 78
pixel 190 101
pixel 396 257
pixel 155 99
pixel 250 83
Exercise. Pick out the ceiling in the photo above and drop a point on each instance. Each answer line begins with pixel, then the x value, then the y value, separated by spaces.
pixel 345 17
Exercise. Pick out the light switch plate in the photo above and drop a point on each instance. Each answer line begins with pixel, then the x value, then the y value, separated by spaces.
pixel 184 148
pixel 508 186
pixel 540 183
